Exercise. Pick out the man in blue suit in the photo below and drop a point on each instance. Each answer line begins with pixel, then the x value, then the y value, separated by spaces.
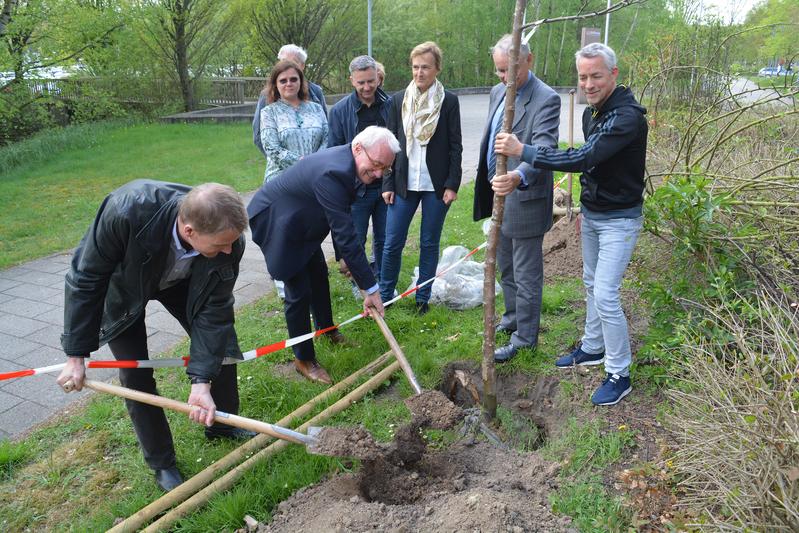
pixel 292 214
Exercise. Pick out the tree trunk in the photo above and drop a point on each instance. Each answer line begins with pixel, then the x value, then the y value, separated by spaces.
pixel 182 56
pixel 549 40
pixel 629 33
pixel 537 41
pixel 560 52
pixel 490 272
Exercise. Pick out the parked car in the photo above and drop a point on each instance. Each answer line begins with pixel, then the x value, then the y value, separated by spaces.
pixel 769 72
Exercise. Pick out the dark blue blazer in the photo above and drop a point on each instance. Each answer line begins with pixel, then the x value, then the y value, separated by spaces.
pixel 292 214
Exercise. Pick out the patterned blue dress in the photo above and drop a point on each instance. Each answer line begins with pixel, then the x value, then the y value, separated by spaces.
pixel 288 133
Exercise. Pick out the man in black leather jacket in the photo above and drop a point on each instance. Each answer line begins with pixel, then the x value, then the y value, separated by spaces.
pixel 153 240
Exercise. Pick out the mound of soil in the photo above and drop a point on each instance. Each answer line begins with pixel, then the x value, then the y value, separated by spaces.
pixel 563 256
pixel 434 410
pixel 476 487
pixel 346 442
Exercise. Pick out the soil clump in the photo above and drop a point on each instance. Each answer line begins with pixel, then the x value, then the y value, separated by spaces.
pixel 434 410
pixel 346 442
pixel 563 255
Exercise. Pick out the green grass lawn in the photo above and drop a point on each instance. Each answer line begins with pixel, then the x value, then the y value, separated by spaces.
pixel 46 204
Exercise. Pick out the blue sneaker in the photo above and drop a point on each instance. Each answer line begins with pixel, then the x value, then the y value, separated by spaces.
pixel 579 358
pixel 612 390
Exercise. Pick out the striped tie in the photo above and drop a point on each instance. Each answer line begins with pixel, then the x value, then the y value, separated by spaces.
pixel 496 126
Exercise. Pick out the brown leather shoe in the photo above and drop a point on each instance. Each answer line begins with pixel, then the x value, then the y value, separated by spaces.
pixel 313 371
pixel 336 337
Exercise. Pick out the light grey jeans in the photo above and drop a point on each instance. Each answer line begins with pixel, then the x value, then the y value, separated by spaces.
pixel 607 248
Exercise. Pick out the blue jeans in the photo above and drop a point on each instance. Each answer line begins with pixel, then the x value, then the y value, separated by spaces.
pixel 371 205
pixel 400 214
pixel 607 248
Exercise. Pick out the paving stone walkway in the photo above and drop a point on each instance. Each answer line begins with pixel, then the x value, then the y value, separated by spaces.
pixel 32 306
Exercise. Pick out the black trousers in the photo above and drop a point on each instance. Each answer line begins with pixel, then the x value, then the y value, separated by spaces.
pixel 149 422
pixel 308 292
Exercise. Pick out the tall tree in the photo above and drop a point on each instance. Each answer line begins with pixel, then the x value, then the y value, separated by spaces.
pixel 327 29
pixel 33 40
pixel 186 35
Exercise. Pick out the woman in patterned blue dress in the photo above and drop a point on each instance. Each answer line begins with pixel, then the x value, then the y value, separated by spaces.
pixel 291 125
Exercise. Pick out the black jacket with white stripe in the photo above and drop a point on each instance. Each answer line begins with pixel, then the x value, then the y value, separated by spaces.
pixel 612 159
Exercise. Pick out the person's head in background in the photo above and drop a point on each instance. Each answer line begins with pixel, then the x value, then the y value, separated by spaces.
pixel 292 52
pixel 381 73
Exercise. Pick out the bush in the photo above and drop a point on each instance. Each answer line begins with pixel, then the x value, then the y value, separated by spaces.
pixel 736 418
pixel 21 115
pixel 727 309
pixel 47 144
pixel 93 105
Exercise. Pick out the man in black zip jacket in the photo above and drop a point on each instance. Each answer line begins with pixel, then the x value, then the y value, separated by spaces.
pixel 367 105
pixel 612 163
pixel 152 240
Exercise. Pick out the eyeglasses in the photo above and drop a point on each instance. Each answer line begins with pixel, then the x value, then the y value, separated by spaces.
pixel 378 166
pixel 293 79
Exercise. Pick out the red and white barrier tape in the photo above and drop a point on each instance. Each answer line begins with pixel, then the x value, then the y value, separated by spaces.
pixel 248 356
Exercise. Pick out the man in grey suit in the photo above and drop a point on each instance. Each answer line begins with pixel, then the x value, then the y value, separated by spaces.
pixel 528 209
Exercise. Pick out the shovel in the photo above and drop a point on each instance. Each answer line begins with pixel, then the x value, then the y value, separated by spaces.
pixel 277 432
pixel 398 353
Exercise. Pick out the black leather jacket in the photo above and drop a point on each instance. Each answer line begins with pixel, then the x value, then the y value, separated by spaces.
pixel 117 267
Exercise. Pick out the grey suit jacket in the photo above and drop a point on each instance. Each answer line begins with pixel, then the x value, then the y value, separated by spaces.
pixel 528 213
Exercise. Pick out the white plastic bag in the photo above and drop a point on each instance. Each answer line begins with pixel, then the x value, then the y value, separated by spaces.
pixel 461 287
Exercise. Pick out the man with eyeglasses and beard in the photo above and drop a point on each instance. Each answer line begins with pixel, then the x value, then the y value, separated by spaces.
pixel 292 214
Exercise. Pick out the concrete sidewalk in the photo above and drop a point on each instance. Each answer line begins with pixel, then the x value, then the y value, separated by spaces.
pixel 32 305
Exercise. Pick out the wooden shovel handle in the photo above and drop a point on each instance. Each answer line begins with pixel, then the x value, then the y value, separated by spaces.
pixel 221 417
pixel 398 353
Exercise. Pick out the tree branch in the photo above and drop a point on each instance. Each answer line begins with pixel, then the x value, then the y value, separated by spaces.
pixel 615 7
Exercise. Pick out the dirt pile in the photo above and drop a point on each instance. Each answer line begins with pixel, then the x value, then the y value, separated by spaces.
pixel 563 255
pixel 471 486
pixel 346 442
pixel 430 409
pixel 434 410
pixel 476 487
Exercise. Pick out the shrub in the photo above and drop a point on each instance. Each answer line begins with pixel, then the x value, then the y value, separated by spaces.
pixel 737 416
pixel 727 208
pixel 21 114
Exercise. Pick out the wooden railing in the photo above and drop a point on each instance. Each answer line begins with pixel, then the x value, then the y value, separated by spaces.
pixel 209 91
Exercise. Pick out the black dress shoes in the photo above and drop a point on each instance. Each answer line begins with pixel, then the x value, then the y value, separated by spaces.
pixel 504 329
pixel 228 432
pixel 505 353
pixel 168 478
pixel 422 308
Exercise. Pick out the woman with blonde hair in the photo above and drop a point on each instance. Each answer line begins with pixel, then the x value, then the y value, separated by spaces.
pixel 426 120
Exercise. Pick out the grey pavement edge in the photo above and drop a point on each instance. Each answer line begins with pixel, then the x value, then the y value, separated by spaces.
pixel 32 304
